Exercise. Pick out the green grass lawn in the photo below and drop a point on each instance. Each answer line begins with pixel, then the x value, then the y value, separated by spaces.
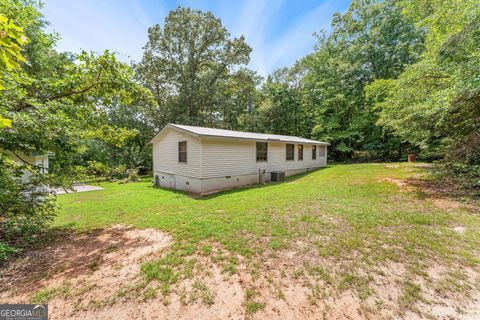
pixel 353 214
pixel 354 199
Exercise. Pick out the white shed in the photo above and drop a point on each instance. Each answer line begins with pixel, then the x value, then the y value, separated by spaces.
pixel 33 158
pixel 202 160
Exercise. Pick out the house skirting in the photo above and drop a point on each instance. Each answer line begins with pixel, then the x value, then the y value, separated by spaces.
pixel 213 184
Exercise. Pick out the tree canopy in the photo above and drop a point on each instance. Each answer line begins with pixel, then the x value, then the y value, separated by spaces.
pixel 389 78
pixel 186 63
pixel 55 103
pixel 435 103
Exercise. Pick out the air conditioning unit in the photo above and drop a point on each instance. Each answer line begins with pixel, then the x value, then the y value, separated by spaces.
pixel 278 176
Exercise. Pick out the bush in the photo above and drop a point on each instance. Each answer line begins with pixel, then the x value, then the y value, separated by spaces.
pixel 27 203
pixel 26 210
pixel 133 175
pixel 467 175
pixel 118 172
pixel 95 170
pixel 6 251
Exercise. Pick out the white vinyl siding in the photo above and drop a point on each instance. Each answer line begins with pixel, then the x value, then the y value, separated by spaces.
pixel 231 157
pixel 165 154
pixel 215 163
pixel 307 161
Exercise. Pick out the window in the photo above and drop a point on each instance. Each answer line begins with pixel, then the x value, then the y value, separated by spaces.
pixel 321 151
pixel 300 152
pixel 262 151
pixel 314 152
pixel 182 151
pixel 290 152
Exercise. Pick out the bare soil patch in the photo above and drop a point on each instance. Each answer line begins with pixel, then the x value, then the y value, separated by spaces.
pixel 447 192
pixel 97 275
pixel 442 195
pixel 80 268
pixel 401 184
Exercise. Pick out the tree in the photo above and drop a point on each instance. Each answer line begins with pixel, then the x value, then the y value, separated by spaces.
pixel 237 98
pixel 135 151
pixel 435 103
pixel 55 101
pixel 283 109
pixel 371 40
pixel 185 62
pixel 12 38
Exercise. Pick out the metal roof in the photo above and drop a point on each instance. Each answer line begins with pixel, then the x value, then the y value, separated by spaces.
pixel 211 132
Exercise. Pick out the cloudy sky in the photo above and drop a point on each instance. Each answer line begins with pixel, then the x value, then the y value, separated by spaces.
pixel 279 31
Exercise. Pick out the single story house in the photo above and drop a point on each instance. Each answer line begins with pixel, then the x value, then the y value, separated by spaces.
pixel 203 160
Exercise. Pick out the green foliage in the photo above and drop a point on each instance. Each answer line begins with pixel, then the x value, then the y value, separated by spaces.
pixel 462 174
pixel 435 103
pixel 283 108
pixel 51 104
pixel 133 149
pixel 5 252
pixel 133 175
pixel 26 203
pixel 5 123
pixel 371 40
pixel 12 38
pixel 98 170
pixel 186 63
pixel 238 98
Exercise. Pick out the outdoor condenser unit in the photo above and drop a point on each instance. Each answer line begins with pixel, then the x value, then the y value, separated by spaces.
pixel 278 176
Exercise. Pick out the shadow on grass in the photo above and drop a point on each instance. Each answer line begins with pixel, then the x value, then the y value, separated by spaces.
pixel 66 252
pixel 242 188
pixel 435 186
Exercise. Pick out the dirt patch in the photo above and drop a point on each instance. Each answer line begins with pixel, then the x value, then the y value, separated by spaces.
pixel 439 197
pixel 403 185
pixel 448 194
pixel 98 275
pixel 446 204
pixel 88 265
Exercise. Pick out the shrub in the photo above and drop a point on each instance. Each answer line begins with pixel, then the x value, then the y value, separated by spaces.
pixel 118 172
pixel 133 175
pixel 6 251
pixel 466 175
pixel 462 163
pixel 96 169
pixel 27 203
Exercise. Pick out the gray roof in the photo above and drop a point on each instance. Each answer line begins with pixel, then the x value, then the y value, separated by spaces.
pixel 211 132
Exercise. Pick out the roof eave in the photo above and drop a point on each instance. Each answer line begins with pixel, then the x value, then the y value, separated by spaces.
pixel 267 140
pixel 173 126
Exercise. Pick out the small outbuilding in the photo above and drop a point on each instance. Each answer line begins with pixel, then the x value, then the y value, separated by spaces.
pixel 33 158
pixel 203 160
